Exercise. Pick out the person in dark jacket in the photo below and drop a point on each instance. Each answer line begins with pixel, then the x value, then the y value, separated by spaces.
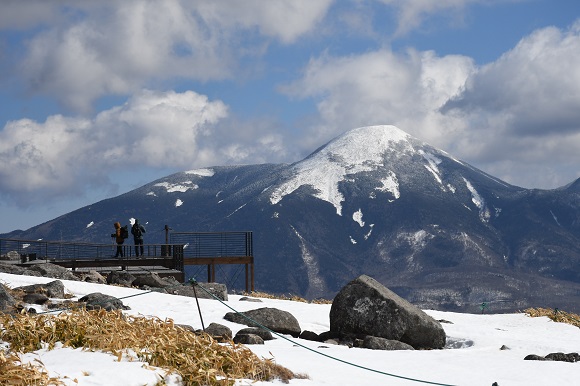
pixel 118 239
pixel 137 231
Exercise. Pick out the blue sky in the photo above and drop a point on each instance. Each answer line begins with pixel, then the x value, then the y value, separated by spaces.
pixel 98 98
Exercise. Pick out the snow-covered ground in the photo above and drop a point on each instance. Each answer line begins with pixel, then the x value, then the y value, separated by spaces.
pixel 477 359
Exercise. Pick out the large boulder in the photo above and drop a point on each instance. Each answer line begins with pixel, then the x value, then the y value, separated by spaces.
pixel 274 319
pixel 364 306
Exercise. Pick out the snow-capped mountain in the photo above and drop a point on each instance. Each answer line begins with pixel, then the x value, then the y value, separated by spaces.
pixel 374 200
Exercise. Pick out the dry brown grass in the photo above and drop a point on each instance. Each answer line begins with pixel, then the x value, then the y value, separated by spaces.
pixel 13 372
pixel 295 298
pixel 196 357
pixel 555 314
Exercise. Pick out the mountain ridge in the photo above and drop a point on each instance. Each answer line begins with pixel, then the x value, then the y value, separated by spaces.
pixel 373 200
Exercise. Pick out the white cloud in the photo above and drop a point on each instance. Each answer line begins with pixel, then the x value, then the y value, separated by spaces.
pixel 285 20
pixel 64 155
pixel 530 88
pixel 412 13
pixel 383 87
pixel 112 47
pixel 525 107
pixel 165 130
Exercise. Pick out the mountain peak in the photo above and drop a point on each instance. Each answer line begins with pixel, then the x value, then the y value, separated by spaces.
pixel 355 151
pixel 362 145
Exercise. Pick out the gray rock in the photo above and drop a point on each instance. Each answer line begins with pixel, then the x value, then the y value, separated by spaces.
pixel 219 332
pixel 7 302
pixel 216 289
pixel 264 334
pixel 534 357
pixel 35 298
pixel 54 289
pixel 53 270
pixel 247 299
pixel 172 281
pixel 276 320
pixel 123 278
pixel 98 300
pixel 150 279
pixel 309 335
pixel 93 277
pixel 364 306
pixel 376 343
pixel 561 357
pixel 248 339
pixel 16 270
pixel 327 335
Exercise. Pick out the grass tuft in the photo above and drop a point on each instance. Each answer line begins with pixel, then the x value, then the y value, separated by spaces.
pixel 555 314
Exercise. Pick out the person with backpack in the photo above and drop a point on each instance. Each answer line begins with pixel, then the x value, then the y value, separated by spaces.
pixel 119 239
pixel 137 231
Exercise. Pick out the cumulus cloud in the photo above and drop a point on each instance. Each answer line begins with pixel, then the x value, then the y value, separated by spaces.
pixel 63 155
pixel 383 87
pixel 412 13
pixel 533 87
pixel 111 47
pixel 517 118
pixel 526 106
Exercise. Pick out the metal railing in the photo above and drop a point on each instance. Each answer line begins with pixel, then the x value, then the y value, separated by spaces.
pixel 30 250
pixel 214 244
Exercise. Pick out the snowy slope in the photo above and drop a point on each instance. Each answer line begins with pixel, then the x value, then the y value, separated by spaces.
pixel 472 357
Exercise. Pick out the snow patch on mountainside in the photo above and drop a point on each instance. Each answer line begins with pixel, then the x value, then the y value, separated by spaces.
pixel 201 172
pixel 369 232
pixel 183 187
pixel 478 201
pixel 356 151
pixel 390 184
pixel 357 216
pixel 432 166
pixel 236 210
pixel 178 203
pixel 315 281
pixel 555 218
